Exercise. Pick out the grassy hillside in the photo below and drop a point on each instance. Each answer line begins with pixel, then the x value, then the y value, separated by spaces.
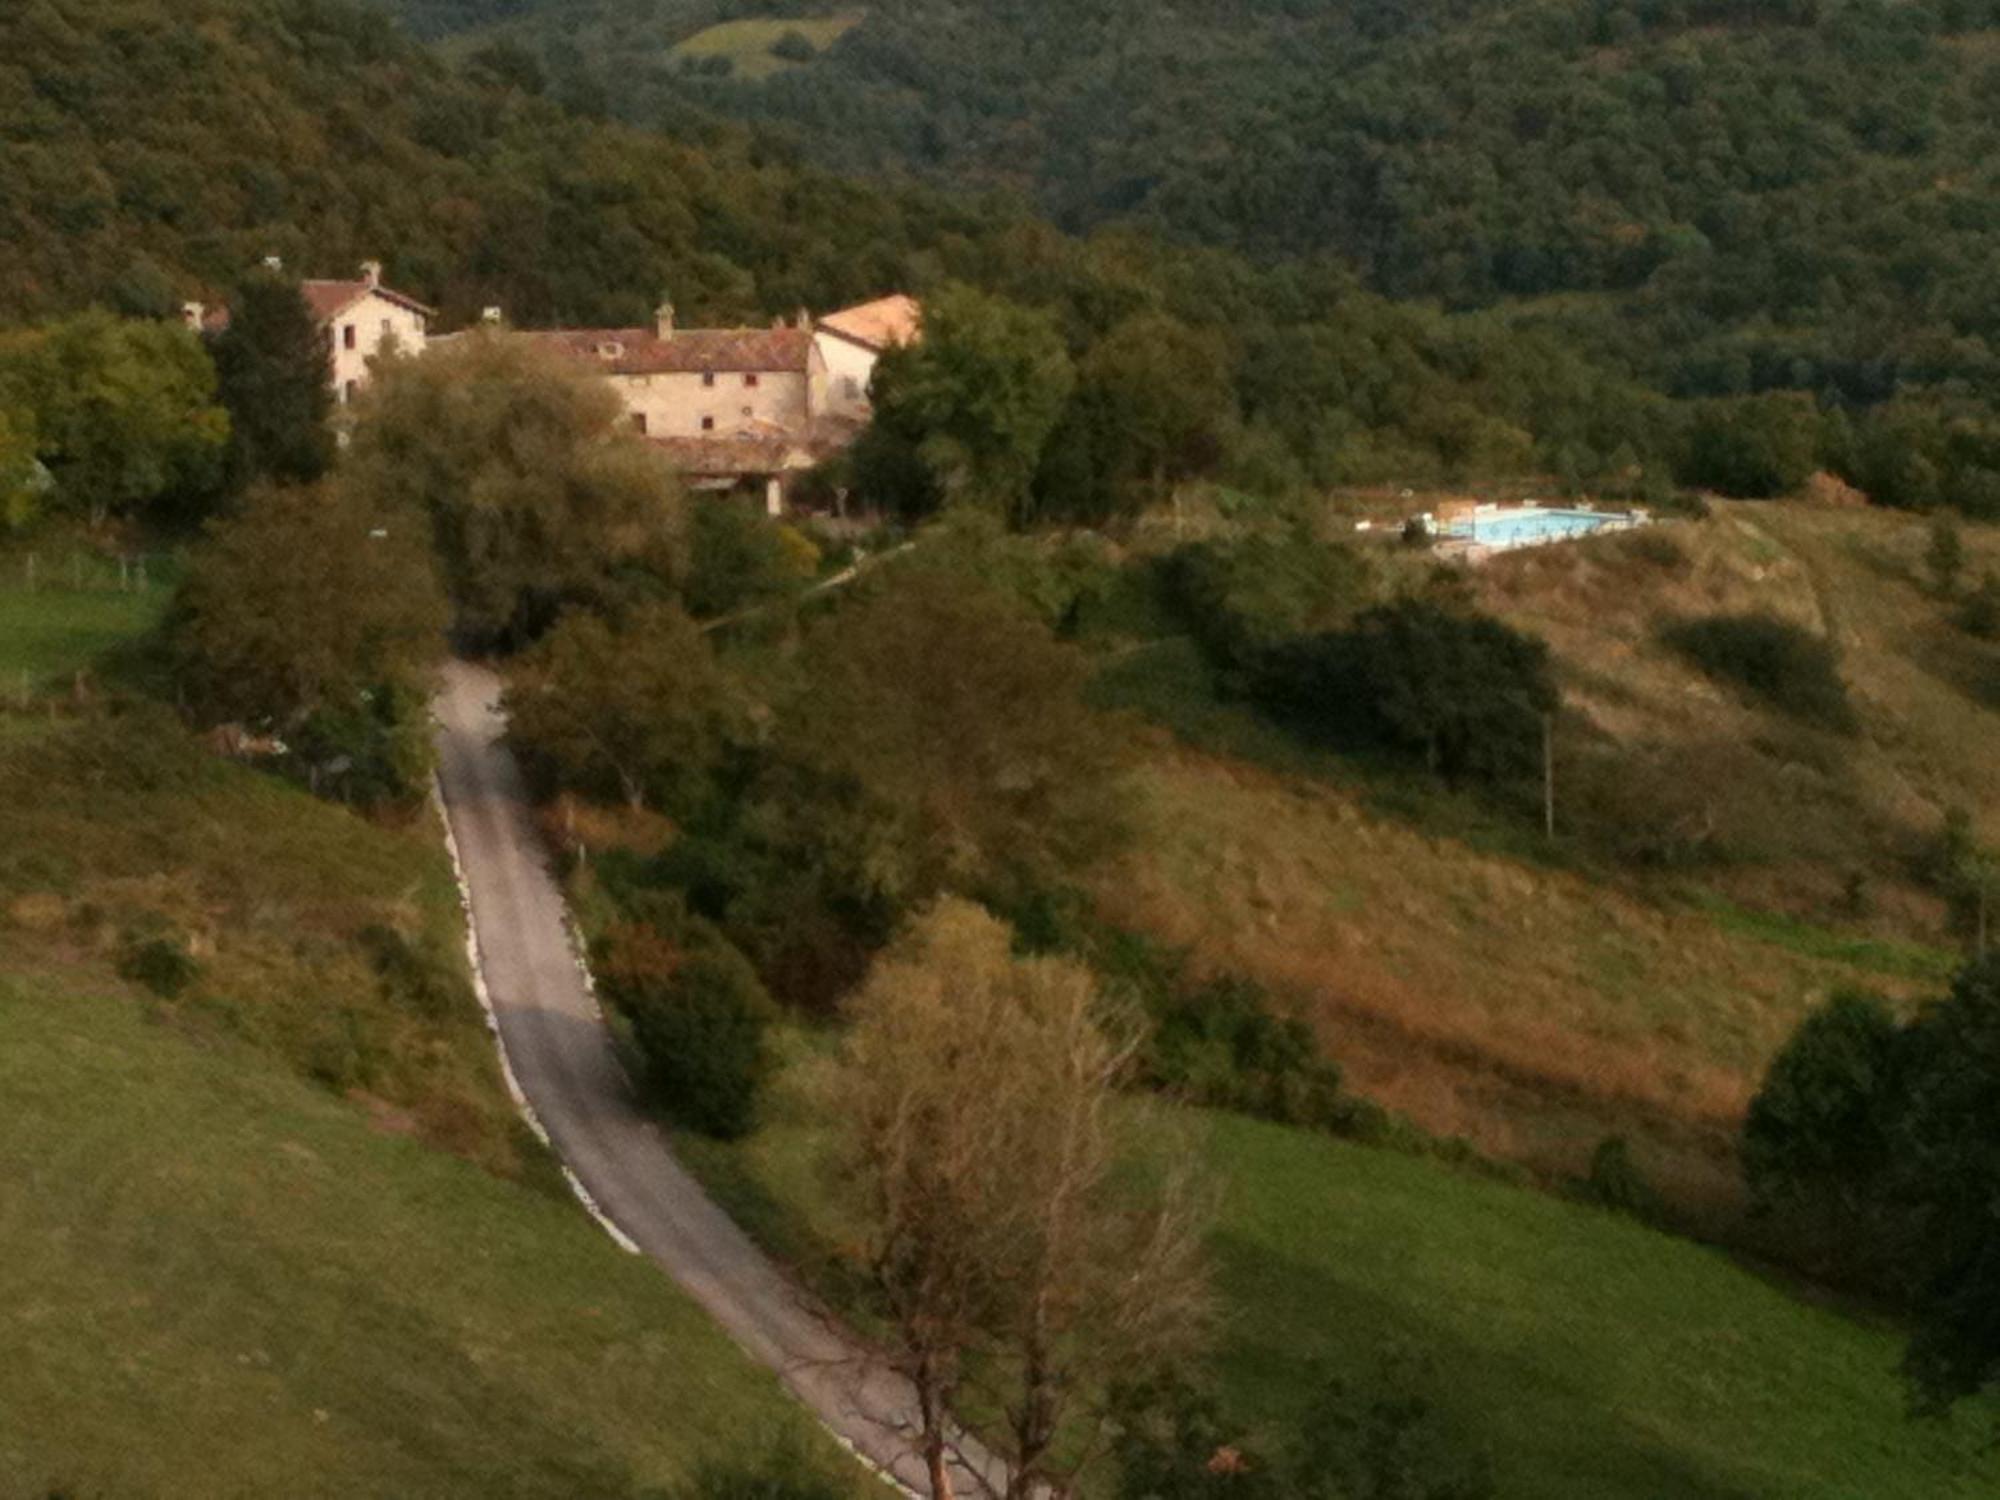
pixel 1636 977
pixel 748 44
pixel 333 944
pixel 1588 1356
pixel 224 1214
pixel 223 1282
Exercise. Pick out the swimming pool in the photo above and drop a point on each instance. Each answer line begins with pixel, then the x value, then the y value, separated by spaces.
pixel 1527 527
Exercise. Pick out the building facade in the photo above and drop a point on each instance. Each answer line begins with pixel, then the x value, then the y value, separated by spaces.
pixel 853 339
pixel 704 382
pixel 360 319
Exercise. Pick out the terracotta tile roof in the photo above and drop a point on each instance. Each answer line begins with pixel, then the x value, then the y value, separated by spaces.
pixel 641 351
pixel 734 454
pixel 881 324
pixel 329 299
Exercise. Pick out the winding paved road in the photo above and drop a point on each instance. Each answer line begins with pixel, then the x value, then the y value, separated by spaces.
pixel 555 1041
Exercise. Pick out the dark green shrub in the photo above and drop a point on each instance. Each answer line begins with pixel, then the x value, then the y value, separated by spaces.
pixel 1822 1120
pixel 1384 1441
pixel 1615 1182
pixel 161 964
pixel 1980 614
pixel 1221 1044
pixel 794 46
pixel 1786 665
pixel 700 1020
pixel 1242 596
pixel 1459 690
pixel 416 978
pixel 1819 1145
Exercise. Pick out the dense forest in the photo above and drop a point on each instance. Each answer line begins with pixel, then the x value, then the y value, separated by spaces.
pixel 318 132
pixel 1722 195
pixel 1441 242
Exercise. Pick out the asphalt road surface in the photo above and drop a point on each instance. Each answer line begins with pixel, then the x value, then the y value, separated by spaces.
pixel 561 1054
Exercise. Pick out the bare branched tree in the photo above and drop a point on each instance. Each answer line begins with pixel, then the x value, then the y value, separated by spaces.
pixel 1029 1243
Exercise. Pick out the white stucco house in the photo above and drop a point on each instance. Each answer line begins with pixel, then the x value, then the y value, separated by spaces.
pixel 851 340
pixel 359 318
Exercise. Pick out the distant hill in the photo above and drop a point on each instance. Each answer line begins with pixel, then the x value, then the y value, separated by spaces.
pixel 1792 194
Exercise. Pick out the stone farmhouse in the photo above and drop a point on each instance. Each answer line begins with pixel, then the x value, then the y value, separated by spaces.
pixel 734 409
pixel 744 408
pixel 359 317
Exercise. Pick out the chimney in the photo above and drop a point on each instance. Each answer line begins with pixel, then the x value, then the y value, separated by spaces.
pixel 371 272
pixel 663 319
pixel 493 317
pixel 804 320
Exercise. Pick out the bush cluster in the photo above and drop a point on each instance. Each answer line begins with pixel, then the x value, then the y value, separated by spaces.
pixel 699 1016
pixel 1784 664
pixel 1460 691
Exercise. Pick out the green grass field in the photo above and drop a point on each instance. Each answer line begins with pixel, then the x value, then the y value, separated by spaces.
pixel 216 1280
pixel 747 44
pixel 1589 1357
pixel 47 634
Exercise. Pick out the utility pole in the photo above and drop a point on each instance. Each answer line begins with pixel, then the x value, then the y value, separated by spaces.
pixel 1549 776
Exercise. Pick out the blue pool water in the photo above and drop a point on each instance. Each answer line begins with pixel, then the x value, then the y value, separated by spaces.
pixel 1525 528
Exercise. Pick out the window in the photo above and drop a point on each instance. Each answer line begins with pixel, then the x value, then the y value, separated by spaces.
pixel 708 424
pixel 349 391
pixel 387 328
pixel 347 335
pixel 639 423
pixel 749 379
pixel 748 412
pixel 708 377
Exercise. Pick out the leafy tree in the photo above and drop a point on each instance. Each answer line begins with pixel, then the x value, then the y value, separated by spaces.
pixel 304 600
pixel 961 720
pixel 1462 690
pixel 739 558
pixel 972 404
pixel 1150 407
pixel 272 371
pixel 1754 446
pixel 1820 1135
pixel 1016 1237
pixel 124 413
pixel 1948 1184
pixel 1895 1126
pixel 638 709
pixel 312 612
pixel 537 494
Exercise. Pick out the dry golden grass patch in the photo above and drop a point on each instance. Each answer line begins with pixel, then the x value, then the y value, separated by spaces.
pixel 1534 1009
